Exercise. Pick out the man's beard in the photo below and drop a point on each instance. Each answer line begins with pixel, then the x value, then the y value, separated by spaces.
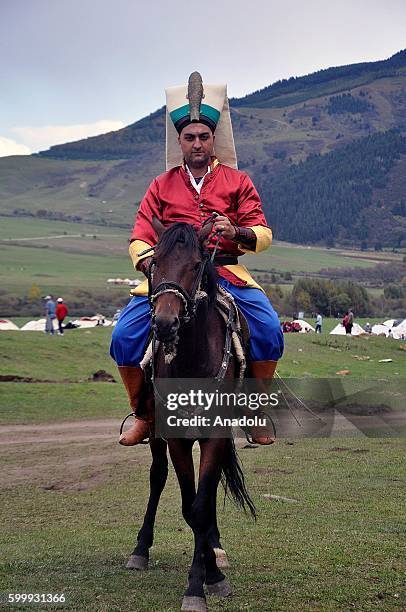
pixel 203 162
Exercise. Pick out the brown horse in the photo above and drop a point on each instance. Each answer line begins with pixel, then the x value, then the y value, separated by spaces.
pixel 187 324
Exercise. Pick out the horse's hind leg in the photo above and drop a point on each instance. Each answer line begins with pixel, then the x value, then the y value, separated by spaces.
pixel 157 479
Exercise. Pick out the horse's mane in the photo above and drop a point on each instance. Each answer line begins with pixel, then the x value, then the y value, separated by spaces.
pixel 185 235
pixel 178 233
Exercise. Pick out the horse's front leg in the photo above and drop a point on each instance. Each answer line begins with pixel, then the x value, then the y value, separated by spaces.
pixel 214 538
pixel 215 557
pixel 204 568
pixel 158 474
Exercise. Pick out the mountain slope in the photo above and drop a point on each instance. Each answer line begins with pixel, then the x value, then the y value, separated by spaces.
pixel 343 195
pixel 135 140
pixel 100 179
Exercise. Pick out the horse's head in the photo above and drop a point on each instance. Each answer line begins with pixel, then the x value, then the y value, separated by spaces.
pixel 180 270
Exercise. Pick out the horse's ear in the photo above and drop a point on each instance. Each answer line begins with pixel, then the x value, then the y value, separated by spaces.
pixel 204 233
pixel 158 226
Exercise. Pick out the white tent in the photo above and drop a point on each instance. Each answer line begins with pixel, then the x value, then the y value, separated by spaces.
pixel 340 330
pixel 86 322
pixel 399 332
pixel 380 328
pixel 394 323
pixel 304 326
pixel 6 325
pixel 34 325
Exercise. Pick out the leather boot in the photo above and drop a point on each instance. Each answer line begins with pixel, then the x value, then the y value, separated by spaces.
pixel 133 379
pixel 264 370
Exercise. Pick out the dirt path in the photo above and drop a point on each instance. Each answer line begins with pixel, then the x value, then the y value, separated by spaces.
pixel 58 236
pixel 79 455
pixel 68 456
pixel 56 433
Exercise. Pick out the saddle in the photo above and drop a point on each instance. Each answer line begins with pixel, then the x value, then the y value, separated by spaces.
pixel 237 332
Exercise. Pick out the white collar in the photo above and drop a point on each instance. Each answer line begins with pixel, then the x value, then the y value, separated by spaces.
pixel 197 186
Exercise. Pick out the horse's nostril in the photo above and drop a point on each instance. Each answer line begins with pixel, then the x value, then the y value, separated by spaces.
pixel 166 327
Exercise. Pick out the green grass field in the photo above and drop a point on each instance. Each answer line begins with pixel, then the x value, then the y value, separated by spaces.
pixel 68 258
pixel 23 267
pixel 302 259
pixel 71 360
pixel 49 252
pixel 72 511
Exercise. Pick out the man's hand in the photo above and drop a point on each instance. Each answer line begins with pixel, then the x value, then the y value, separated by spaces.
pixel 223 225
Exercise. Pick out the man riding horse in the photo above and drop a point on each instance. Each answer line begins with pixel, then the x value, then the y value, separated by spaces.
pixel 201 182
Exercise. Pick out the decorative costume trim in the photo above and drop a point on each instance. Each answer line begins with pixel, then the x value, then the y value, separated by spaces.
pixel 264 239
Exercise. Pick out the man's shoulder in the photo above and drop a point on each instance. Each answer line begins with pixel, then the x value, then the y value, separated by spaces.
pixel 168 175
pixel 233 172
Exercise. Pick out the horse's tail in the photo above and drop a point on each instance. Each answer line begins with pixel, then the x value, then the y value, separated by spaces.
pixel 232 479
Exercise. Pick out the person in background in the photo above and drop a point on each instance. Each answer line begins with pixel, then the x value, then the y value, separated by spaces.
pixel 50 314
pixel 117 314
pixel 348 322
pixel 368 328
pixel 319 322
pixel 61 312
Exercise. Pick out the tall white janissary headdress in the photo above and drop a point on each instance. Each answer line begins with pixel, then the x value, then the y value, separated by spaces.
pixel 198 103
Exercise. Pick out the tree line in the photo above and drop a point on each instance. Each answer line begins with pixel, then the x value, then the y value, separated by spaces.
pixel 323 198
pixel 334 298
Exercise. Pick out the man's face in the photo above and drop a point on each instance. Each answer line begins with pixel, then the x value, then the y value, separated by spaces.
pixel 196 141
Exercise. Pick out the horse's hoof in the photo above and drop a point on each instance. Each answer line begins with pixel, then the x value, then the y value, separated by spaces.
pixel 221 558
pixel 136 562
pixel 221 589
pixel 194 604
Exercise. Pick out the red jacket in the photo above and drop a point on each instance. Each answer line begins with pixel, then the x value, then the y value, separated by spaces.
pixel 171 197
pixel 61 311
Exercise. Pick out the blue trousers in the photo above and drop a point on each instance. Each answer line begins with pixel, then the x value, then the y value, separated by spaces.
pixel 266 342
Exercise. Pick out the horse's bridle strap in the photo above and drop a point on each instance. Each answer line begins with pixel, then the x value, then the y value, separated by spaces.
pixel 190 301
pixel 175 289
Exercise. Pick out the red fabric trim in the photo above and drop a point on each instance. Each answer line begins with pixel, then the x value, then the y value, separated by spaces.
pixel 229 276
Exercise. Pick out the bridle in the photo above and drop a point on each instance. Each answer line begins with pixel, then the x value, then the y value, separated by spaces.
pixel 190 300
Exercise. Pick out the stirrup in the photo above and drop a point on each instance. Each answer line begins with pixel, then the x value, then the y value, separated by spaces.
pixel 248 436
pixel 123 422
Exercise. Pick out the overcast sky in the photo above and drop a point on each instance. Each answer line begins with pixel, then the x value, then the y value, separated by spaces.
pixel 74 68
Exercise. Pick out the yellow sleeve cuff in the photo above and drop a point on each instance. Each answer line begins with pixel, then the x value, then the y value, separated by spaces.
pixel 136 247
pixel 264 239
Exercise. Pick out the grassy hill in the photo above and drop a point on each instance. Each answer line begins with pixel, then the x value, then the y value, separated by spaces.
pixel 101 179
